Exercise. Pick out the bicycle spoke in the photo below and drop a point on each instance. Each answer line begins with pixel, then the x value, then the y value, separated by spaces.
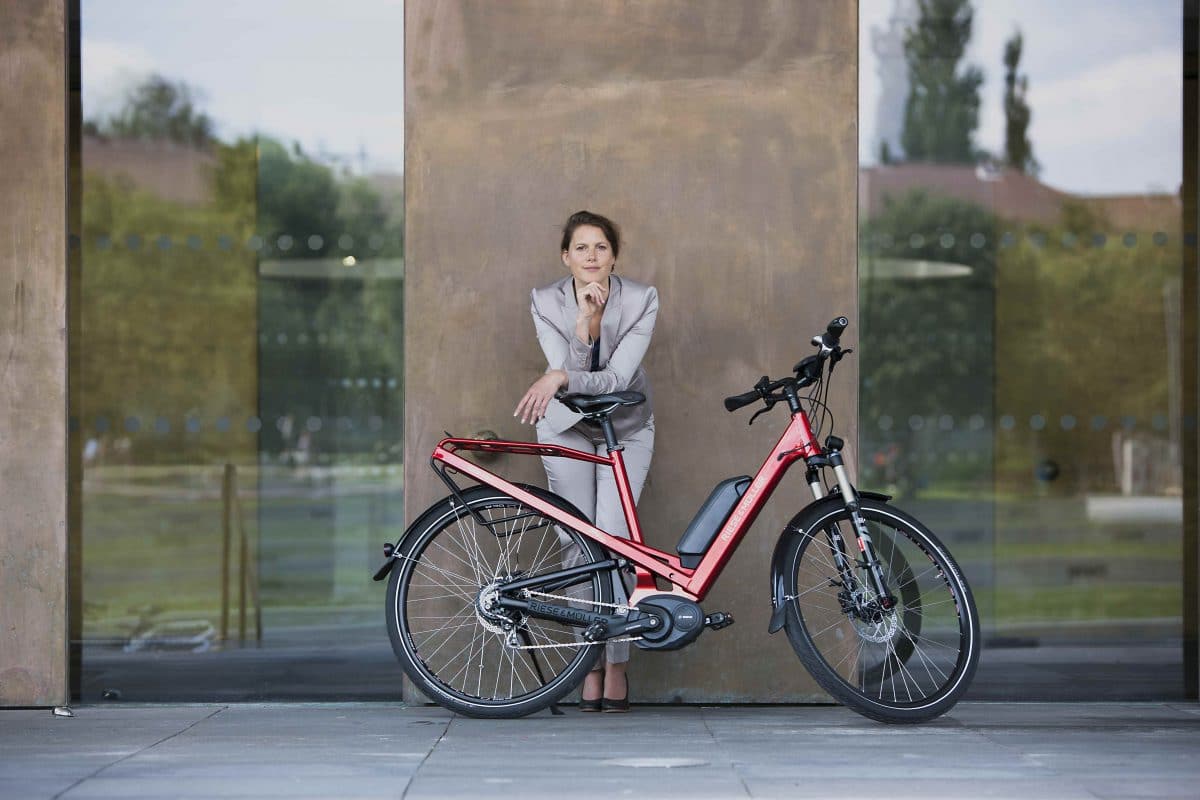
pixel 902 655
pixel 454 632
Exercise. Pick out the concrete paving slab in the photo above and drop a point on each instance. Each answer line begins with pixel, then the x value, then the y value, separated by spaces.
pixel 376 750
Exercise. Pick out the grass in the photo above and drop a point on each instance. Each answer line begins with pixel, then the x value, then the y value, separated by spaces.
pixel 1088 602
pixel 160 555
pixel 161 549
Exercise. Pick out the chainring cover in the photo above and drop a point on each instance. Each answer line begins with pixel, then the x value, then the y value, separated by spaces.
pixel 683 621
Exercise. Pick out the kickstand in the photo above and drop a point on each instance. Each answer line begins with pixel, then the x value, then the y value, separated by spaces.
pixel 554 709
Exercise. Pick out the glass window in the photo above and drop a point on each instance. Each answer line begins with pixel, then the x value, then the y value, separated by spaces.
pixel 1021 255
pixel 240 361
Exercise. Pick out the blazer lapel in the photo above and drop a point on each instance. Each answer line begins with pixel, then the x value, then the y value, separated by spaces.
pixel 568 306
pixel 610 322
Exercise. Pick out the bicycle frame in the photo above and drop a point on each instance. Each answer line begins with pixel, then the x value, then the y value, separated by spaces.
pixel 797 442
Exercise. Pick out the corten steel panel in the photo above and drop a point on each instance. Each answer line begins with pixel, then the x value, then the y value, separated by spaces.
pixel 33 374
pixel 722 138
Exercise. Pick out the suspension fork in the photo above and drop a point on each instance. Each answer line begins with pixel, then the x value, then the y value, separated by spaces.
pixel 836 543
pixel 865 544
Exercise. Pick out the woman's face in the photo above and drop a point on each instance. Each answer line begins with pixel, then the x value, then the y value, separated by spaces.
pixel 590 256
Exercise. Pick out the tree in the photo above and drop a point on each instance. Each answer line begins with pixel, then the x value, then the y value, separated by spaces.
pixel 297 196
pixel 942 111
pixel 158 108
pixel 926 342
pixel 1018 151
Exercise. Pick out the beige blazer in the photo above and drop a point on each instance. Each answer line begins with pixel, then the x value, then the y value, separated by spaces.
pixel 625 331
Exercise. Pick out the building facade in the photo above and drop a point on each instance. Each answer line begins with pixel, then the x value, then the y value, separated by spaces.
pixel 259 259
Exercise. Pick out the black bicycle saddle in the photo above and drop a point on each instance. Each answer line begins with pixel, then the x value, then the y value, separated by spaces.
pixel 597 404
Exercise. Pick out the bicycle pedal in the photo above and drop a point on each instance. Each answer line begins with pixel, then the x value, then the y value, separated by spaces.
pixel 718 620
pixel 595 632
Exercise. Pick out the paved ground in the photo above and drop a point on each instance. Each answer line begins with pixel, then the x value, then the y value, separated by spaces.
pixel 355 663
pixel 369 750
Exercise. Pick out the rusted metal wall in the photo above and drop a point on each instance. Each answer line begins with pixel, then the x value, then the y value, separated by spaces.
pixel 722 137
pixel 33 353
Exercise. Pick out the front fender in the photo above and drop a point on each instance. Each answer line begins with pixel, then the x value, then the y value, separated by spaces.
pixel 778 585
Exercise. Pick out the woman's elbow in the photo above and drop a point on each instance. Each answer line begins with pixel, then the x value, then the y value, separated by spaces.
pixel 616 382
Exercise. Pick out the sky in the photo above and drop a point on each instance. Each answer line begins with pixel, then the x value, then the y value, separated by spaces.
pixel 328 75
pixel 1105 87
pixel 1104 77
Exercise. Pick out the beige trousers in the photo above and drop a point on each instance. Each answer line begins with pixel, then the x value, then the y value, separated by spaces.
pixel 593 490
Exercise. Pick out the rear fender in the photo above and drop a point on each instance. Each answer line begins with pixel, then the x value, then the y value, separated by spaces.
pixel 422 522
pixel 778 586
pixel 468 495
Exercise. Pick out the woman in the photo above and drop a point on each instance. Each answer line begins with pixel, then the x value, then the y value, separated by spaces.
pixel 594 328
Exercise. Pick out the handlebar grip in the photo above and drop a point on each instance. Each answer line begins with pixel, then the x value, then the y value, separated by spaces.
pixel 833 333
pixel 740 400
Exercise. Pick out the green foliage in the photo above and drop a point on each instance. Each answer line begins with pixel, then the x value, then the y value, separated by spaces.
pixel 297 196
pixel 926 342
pixel 1067 320
pixel 1083 320
pixel 155 277
pixel 1018 151
pixel 158 109
pixel 942 111
pixel 340 327
pixel 179 324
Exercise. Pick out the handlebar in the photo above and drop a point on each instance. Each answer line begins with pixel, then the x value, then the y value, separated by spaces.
pixel 807 372
pixel 741 400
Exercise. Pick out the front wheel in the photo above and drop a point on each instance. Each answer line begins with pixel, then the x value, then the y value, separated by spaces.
pixel 907 663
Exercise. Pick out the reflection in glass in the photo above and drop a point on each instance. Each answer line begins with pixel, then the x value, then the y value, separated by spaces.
pixel 1021 324
pixel 241 372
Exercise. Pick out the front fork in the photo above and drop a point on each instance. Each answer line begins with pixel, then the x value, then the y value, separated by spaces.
pixel 866 545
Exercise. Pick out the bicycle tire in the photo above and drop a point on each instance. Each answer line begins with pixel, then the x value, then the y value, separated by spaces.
pixel 432 607
pixel 857 660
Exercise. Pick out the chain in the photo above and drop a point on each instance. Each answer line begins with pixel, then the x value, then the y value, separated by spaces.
pixel 510 640
pixel 620 608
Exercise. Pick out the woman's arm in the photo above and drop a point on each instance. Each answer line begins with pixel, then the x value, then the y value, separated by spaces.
pixel 558 352
pixel 624 361
pixel 562 350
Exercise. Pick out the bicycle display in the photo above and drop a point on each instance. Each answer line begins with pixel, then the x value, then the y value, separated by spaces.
pixel 500 596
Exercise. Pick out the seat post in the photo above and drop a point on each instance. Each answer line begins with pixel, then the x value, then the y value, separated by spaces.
pixel 610 435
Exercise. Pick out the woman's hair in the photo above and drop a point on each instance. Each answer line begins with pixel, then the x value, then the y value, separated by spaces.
pixel 580 218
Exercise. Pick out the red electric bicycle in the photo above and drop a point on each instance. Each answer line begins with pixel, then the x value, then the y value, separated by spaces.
pixel 500 596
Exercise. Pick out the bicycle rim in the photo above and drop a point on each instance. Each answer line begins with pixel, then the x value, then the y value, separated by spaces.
pixel 484 662
pixel 907 664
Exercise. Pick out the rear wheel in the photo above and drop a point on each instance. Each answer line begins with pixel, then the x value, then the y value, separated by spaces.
pixel 909 663
pixel 460 649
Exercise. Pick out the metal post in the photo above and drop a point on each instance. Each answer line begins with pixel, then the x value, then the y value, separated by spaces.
pixel 226 535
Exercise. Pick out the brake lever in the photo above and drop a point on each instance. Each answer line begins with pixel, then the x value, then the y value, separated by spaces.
pixel 761 411
pixel 837 355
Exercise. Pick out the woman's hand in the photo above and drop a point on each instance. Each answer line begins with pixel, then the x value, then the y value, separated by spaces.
pixel 591 299
pixel 535 402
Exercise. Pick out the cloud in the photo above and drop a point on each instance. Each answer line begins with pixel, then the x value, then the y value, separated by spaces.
pixel 1105 87
pixel 1094 129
